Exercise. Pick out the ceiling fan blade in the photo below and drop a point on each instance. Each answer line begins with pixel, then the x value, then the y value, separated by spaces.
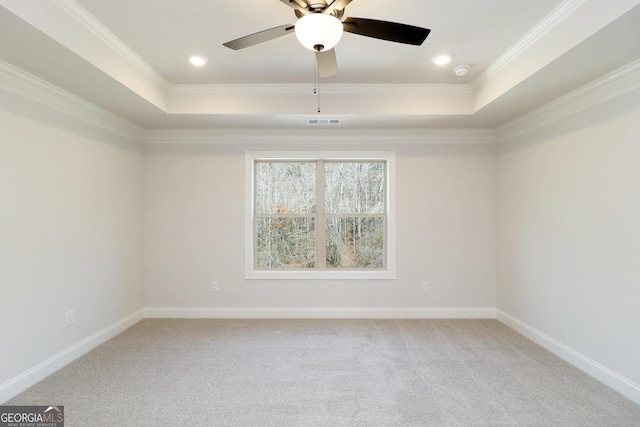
pixel 327 63
pixel 261 37
pixel 384 30
pixel 336 5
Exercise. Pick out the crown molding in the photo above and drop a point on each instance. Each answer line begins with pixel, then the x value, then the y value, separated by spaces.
pixel 324 136
pixel 18 81
pixel 305 88
pixel 83 17
pixel 618 82
pixel 548 23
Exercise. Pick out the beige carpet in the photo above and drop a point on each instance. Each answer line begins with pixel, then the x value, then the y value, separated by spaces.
pixel 327 373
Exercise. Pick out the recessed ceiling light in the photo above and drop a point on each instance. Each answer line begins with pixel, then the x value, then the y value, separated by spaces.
pixel 442 59
pixel 197 60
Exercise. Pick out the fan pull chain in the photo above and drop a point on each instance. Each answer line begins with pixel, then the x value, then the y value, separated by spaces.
pixel 316 80
pixel 318 95
pixel 315 77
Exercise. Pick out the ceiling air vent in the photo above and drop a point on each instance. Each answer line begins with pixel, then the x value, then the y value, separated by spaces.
pixel 318 122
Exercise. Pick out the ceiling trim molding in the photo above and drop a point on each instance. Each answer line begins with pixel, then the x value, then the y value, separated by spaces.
pixel 548 23
pixel 82 16
pixel 296 136
pixel 305 88
pixel 18 81
pixel 618 82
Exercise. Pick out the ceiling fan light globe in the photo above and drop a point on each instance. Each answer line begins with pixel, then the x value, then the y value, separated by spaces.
pixel 318 31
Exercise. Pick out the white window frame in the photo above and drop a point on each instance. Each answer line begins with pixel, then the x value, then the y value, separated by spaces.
pixel 389 272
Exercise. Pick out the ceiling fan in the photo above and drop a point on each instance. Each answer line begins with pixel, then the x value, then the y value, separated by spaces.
pixel 320 26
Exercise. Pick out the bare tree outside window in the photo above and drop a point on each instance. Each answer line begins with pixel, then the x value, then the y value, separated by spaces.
pixel 355 187
pixel 285 196
pixel 347 232
pixel 355 242
pixel 285 187
pixel 354 192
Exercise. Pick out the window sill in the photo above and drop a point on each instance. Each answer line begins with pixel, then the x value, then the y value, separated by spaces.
pixel 320 275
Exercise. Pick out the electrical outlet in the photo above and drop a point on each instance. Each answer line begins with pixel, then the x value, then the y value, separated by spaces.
pixel 425 286
pixel 70 318
pixel 215 286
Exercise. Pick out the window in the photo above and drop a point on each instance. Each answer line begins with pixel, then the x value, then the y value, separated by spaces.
pixel 320 215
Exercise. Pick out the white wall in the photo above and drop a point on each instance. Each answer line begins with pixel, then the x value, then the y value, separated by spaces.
pixel 569 236
pixel 77 203
pixel 70 235
pixel 194 228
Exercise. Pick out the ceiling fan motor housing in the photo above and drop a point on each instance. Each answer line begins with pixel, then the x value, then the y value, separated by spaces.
pixel 317 7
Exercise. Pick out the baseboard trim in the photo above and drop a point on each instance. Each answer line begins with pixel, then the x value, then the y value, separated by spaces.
pixel 318 313
pixel 28 378
pixel 600 372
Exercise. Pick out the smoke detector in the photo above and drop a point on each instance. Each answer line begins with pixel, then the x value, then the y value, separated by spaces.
pixel 461 70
